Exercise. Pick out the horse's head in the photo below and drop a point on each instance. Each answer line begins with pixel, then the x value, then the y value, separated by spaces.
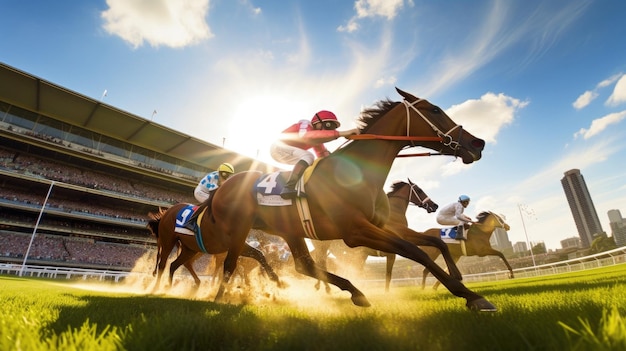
pixel 456 140
pixel 413 194
pixel 418 197
pixel 488 218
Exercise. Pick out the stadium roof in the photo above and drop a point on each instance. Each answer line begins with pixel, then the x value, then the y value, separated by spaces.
pixel 35 94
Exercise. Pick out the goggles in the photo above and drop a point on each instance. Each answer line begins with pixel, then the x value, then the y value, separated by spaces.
pixel 329 125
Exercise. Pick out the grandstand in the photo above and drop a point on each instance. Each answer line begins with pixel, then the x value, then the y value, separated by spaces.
pixel 104 169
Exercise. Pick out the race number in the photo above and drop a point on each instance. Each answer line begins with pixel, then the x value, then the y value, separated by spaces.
pixel 184 215
pixel 268 183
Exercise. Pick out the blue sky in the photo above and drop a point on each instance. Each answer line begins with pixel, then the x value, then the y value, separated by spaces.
pixel 543 82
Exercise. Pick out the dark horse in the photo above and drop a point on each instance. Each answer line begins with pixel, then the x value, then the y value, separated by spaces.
pixel 162 225
pixel 401 195
pixel 345 196
pixel 477 243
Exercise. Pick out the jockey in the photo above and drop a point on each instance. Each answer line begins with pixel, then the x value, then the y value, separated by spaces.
pixel 452 214
pixel 295 141
pixel 205 188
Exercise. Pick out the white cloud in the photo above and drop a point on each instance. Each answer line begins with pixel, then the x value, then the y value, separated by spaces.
pixel 600 124
pixel 619 92
pixel 248 5
pixel 372 8
pixel 352 26
pixel 585 99
pixel 385 81
pixel 487 116
pixel 609 81
pixel 173 23
pixel 588 96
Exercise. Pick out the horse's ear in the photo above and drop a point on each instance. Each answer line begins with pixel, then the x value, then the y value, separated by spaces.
pixel 410 182
pixel 406 95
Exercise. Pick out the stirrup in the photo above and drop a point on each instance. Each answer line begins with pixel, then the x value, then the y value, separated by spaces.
pixel 191 225
pixel 288 193
pixel 459 233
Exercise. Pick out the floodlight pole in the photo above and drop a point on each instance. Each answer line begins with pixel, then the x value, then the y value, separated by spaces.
pixel 32 238
pixel 519 207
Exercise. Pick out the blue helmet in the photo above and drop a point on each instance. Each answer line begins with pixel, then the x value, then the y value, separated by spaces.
pixel 463 198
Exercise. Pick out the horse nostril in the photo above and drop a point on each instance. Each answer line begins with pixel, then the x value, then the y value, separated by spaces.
pixel 478 144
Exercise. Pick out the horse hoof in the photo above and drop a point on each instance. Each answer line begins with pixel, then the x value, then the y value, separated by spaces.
pixel 360 300
pixel 481 305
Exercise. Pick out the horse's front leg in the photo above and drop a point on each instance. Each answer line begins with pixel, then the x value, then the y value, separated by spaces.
pixel 420 239
pixel 388 241
pixel 501 255
pixel 230 265
pixel 305 265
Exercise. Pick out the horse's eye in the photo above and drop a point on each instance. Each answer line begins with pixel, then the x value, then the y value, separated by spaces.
pixel 436 110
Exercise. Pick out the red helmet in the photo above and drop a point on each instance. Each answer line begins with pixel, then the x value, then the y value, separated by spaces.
pixel 328 118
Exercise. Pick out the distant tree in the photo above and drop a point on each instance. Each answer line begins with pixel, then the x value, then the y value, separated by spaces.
pixel 601 242
pixel 540 248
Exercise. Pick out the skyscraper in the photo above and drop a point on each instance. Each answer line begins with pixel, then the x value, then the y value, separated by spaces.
pixel 581 205
pixel 618 227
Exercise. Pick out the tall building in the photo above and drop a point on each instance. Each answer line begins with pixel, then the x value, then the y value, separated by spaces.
pixel 618 227
pixel 500 240
pixel 581 205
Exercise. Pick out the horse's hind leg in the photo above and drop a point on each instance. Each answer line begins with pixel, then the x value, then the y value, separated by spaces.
pixel 320 256
pixel 391 259
pixel 249 251
pixel 184 258
pixel 305 265
pixel 166 249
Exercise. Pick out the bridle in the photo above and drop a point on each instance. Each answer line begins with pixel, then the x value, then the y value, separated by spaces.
pixel 446 139
pixel 413 193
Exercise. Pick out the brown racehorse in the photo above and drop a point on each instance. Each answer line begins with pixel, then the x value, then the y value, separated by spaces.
pixel 401 195
pixel 162 225
pixel 477 243
pixel 345 195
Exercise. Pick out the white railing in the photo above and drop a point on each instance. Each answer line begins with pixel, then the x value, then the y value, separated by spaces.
pixel 62 272
pixel 607 258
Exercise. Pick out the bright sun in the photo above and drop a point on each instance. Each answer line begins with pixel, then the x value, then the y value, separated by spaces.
pixel 258 121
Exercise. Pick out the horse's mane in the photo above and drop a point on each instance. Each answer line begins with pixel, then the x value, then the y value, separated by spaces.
pixel 372 114
pixel 396 186
pixel 368 117
pixel 484 214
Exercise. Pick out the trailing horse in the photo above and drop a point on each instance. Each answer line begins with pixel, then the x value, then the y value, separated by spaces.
pixel 477 243
pixel 163 226
pixel 401 195
pixel 344 195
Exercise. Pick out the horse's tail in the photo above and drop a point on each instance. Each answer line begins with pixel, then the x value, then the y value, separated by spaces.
pixel 155 219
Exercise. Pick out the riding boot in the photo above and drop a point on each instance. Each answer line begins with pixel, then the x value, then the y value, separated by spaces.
pixel 289 191
pixel 460 230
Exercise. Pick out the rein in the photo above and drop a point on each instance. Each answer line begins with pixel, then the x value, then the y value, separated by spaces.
pixel 392 137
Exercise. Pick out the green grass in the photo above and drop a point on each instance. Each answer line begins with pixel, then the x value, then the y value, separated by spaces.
pixel 576 311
